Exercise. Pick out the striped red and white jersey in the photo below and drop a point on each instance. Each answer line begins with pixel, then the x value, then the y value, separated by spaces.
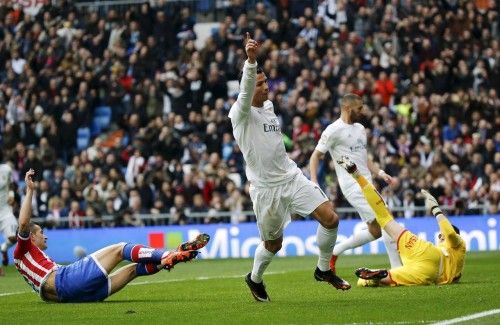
pixel 33 264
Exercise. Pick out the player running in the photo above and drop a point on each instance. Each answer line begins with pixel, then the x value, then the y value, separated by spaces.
pixel 346 136
pixel 423 262
pixel 278 187
pixel 88 279
pixel 8 223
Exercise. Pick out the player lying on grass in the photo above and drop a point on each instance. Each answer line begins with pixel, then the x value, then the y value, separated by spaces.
pixel 88 279
pixel 423 262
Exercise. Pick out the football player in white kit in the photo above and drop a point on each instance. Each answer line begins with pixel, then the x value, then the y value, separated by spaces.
pixel 8 223
pixel 347 137
pixel 278 187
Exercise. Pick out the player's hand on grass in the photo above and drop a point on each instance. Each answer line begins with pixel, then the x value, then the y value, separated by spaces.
pixel 28 179
pixel 250 48
pixel 430 201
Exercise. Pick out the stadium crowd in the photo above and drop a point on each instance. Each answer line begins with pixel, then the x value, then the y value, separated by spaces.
pixel 428 72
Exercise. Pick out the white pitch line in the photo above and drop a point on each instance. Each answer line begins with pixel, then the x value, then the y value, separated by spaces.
pixel 469 317
pixel 13 293
pixel 200 278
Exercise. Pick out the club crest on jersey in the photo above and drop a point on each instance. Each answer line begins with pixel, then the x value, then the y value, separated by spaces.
pixel 273 127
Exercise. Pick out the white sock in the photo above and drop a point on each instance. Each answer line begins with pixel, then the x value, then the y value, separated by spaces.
pixel 357 239
pixel 392 251
pixel 261 261
pixel 326 239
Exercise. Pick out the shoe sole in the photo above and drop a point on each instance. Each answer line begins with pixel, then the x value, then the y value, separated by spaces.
pixel 347 164
pixel 177 258
pixel 198 243
pixel 257 298
pixel 339 286
pixel 368 274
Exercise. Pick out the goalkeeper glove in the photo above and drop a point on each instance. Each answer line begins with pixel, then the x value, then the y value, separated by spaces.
pixel 431 203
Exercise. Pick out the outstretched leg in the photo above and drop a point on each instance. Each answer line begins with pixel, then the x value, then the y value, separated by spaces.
pixel 382 213
pixel 121 277
pixel 109 257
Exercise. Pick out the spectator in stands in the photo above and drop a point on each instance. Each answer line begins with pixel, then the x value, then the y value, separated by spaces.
pixel 428 74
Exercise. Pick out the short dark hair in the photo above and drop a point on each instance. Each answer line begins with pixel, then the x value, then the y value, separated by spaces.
pixel 240 75
pixel 456 229
pixel 349 99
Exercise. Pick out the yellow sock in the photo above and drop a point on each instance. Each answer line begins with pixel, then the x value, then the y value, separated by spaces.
pixel 362 181
pixel 375 201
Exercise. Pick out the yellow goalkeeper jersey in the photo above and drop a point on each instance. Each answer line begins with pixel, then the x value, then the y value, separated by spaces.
pixel 453 254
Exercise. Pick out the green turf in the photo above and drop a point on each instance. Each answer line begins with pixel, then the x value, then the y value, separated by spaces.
pixel 223 298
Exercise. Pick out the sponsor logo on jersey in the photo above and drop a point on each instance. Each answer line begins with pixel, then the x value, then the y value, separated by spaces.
pixel 273 127
pixel 411 242
pixel 360 145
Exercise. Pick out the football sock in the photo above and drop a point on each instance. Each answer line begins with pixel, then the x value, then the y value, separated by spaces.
pixel 261 261
pixel 392 250
pixel 142 254
pixel 374 200
pixel 146 269
pixel 357 239
pixel 326 241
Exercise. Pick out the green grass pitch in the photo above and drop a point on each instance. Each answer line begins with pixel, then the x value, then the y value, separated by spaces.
pixel 214 292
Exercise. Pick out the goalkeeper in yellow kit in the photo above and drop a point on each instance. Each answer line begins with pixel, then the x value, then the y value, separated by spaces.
pixel 423 262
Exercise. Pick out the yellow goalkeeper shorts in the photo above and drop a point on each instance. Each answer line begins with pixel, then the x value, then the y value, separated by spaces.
pixel 421 261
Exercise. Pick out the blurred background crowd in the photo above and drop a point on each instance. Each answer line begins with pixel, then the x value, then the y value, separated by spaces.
pixel 121 114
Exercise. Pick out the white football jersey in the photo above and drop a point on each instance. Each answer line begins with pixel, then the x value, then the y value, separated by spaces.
pixel 342 139
pixel 258 133
pixel 5 179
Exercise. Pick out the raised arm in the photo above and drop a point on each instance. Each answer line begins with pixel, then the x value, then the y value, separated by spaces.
pixel 445 226
pixel 248 79
pixel 25 213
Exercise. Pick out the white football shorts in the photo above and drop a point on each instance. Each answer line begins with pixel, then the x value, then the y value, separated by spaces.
pixel 273 206
pixel 359 202
pixel 8 223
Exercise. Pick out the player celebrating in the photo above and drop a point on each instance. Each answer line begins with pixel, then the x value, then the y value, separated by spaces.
pixel 88 279
pixel 8 223
pixel 278 187
pixel 346 136
pixel 423 263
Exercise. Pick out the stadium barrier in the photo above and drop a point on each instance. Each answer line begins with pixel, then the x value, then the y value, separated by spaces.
pixel 196 6
pixel 230 216
pixel 240 240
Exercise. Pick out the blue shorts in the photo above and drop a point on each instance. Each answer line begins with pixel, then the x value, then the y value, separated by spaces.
pixel 82 281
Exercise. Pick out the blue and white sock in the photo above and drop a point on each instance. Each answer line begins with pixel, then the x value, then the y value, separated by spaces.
pixel 142 254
